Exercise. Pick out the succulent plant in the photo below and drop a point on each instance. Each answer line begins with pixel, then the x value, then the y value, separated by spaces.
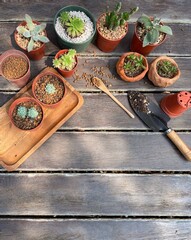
pixel 66 61
pixel 74 26
pixel 22 112
pixel 152 29
pixel 32 112
pixel 134 63
pixel 115 18
pixel 33 32
pixel 166 69
pixel 50 88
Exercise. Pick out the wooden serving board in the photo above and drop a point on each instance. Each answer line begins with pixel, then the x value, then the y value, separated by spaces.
pixel 17 145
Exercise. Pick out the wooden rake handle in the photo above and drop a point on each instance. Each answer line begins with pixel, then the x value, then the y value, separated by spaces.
pixel 183 148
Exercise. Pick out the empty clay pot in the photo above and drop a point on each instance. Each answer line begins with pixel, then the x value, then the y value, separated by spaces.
pixel 176 104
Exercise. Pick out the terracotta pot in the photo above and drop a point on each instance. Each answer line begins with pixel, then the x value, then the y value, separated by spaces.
pixel 121 72
pixel 34 87
pixel 36 54
pixel 18 101
pixel 104 44
pixel 19 82
pixel 136 44
pixel 66 73
pixel 156 79
pixel 176 104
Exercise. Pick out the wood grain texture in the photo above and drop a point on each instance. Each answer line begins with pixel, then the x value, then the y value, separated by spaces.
pixel 91 151
pixel 176 45
pixel 167 10
pixel 95 194
pixel 94 115
pixel 95 229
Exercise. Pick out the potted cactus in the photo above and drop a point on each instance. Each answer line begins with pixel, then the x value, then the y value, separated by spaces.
pixel 112 27
pixel 26 113
pixel 149 33
pixel 75 27
pixel 31 37
pixel 48 89
pixel 163 71
pixel 66 62
pixel 132 66
pixel 15 67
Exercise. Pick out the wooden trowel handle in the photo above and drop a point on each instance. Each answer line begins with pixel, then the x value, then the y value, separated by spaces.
pixel 184 149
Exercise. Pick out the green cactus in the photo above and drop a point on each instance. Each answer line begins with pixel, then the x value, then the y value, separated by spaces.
pixel 74 26
pixel 115 18
pixel 66 61
pixel 22 112
pixel 166 69
pixel 32 32
pixel 134 63
pixel 50 88
pixel 152 29
pixel 32 113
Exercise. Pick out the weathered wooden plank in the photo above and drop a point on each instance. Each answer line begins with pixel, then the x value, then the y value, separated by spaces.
pixel 45 10
pixel 93 67
pixel 94 115
pixel 95 229
pixel 102 151
pixel 172 46
pixel 95 194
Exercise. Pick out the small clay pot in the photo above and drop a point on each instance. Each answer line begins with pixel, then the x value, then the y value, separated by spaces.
pixel 137 44
pixel 156 79
pixel 35 54
pixel 121 72
pixel 176 104
pixel 66 73
pixel 21 81
pixel 21 100
pixel 34 85
pixel 104 44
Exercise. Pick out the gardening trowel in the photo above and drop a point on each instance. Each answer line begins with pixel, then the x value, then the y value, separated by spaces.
pixel 151 114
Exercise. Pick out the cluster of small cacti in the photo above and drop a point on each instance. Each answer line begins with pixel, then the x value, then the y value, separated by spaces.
pixel 24 112
pixel 134 63
pixel 66 61
pixel 152 29
pixel 74 25
pixel 166 69
pixel 50 88
pixel 115 18
pixel 33 32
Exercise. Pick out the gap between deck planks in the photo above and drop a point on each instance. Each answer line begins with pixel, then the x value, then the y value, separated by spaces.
pixel 72 229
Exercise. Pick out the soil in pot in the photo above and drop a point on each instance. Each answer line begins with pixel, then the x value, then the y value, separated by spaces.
pixel 49 89
pixel 14 67
pixel 22 115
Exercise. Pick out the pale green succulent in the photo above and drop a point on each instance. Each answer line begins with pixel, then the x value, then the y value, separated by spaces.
pixel 22 112
pixel 67 61
pixel 74 26
pixel 152 29
pixel 50 88
pixel 32 31
pixel 32 112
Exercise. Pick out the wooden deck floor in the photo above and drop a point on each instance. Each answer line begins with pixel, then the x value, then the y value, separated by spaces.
pixel 102 175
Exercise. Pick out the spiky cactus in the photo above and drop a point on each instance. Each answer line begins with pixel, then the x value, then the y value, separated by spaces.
pixel 32 32
pixel 22 112
pixel 50 88
pixel 115 18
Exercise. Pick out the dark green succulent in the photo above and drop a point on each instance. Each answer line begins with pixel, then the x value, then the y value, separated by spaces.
pixel 152 29
pixel 115 18
pixel 74 26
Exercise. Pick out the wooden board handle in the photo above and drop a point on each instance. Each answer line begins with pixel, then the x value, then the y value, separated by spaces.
pixel 184 149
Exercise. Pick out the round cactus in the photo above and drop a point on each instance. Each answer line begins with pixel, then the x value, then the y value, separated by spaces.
pixel 32 112
pixel 50 88
pixel 22 111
